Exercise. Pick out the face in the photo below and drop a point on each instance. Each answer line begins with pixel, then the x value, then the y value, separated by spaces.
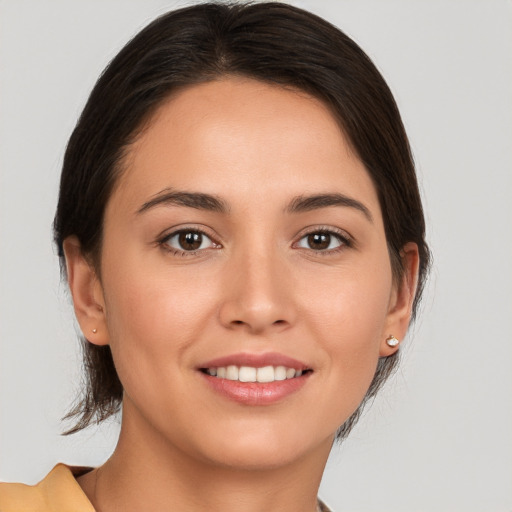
pixel 244 242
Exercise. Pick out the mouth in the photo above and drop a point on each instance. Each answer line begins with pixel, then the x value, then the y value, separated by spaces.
pixel 255 379
pixel 262 374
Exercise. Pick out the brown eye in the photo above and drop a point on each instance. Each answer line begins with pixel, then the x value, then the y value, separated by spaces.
pixel 321 241
pixel 189 241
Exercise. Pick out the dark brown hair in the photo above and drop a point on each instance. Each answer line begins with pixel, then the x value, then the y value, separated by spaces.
pixel 271 42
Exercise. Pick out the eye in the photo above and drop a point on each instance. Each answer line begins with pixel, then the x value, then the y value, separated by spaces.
pixel 322 241
pixel 188 241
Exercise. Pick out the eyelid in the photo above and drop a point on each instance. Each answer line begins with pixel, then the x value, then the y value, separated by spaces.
pixel 345 238
pixel 169 233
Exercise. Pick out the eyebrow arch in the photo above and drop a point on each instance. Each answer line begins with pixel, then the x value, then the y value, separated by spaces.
pixel 196 200
pixel 307 203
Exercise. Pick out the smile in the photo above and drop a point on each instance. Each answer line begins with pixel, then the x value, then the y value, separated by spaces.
pixel 255 379
pixel 253 374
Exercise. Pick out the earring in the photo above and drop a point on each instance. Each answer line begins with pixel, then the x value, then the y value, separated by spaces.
pixel 392 342
pixel 94 331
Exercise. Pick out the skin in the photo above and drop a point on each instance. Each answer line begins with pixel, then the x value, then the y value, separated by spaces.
pixel 257 287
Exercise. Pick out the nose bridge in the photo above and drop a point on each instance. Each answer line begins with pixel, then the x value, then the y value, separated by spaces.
pixel 258 295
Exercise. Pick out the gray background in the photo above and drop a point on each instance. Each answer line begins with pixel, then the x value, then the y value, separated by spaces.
pixel 439 438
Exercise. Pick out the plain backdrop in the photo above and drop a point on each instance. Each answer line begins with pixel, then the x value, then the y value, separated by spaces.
pixel 439 437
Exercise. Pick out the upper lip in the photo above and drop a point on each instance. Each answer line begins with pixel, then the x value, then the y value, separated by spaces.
pixel 256 361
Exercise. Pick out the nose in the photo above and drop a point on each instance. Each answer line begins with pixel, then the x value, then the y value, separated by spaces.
pixel 258 294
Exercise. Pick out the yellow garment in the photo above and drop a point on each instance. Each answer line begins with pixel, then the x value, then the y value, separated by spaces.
pixel 57 492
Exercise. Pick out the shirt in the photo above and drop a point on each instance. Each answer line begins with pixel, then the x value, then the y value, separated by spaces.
pixel 57 492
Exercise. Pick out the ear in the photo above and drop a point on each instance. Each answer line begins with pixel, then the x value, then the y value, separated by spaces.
pixel 87 293
pixel 402 299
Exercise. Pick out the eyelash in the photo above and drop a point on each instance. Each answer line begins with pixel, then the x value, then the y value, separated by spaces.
pixel 164 242
pixel 343 238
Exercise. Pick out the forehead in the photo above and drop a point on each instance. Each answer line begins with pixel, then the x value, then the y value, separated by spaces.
pixel 239 136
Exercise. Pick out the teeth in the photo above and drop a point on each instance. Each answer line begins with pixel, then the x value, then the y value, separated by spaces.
pixel 280 373
pixel 232 372
pixel 290 373
pixel 247 374
pixel 266 374
pixel 250 374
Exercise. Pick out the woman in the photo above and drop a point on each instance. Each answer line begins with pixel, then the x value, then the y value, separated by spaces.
pixel 243 239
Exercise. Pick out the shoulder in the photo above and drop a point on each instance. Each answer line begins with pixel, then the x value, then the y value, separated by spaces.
pixel 322 507
pixel 58 491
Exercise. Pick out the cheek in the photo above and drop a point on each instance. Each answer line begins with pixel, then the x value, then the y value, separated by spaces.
pixel 348 315
pixel 154 314
pixel 351 304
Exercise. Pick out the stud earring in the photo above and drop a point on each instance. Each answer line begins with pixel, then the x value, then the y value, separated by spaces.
pixel 94 331
pixel 392 342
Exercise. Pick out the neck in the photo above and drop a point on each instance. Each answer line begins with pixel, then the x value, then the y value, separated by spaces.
pixel 146 472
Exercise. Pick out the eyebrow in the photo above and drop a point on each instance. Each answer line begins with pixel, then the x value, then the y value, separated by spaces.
pixel 202 201
pixel 198 200
pixel 307 203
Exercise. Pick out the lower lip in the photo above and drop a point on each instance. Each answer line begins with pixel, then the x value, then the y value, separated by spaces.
pixel 256 393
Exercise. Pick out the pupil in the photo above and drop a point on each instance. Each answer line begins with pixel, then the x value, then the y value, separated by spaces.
pixel 319 240
pixel 190 241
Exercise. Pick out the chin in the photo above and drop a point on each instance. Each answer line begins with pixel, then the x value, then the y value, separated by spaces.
pixel 264 448
pixel 256 458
